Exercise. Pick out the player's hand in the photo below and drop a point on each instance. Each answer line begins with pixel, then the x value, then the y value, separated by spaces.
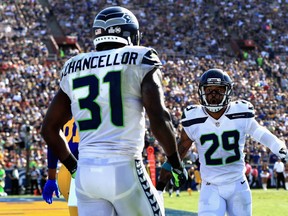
pixel 49 188
pixel 164 176
pixel 283 155
pixel 180 176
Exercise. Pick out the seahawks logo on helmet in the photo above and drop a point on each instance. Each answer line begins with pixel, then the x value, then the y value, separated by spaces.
pixel 127 18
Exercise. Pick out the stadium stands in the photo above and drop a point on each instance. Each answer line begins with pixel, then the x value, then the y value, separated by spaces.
pixel 248 39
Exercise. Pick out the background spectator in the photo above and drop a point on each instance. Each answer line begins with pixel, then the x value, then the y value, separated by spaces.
pixel 34 178
pixel 265 175
pixel 248 170
pixel 254 175
pixel 279 169
pixel 14 176
pixel 2 181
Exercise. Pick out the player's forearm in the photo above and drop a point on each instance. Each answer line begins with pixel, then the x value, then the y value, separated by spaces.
pixel 52 159
pixel 56 143
pixel 272 142
pixel 163 132
pixel 61 150
pixel 159 117
pixel 52 174
pixel 184 144
pixel 265 137
pixel 183 150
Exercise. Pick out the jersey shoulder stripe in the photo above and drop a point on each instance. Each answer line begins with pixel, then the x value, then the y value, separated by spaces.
pixel 190 122
pixel 240 109
pixel 240 115
pixel 189 114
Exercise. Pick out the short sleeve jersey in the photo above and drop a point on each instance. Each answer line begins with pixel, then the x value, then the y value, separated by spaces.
pixel 105 92
pixel 220 143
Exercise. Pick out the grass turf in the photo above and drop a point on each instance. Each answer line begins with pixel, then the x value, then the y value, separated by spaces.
pixel 264 203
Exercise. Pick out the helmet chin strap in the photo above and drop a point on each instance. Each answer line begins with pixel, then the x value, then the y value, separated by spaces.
pixel 211 108
pixel 129 41
pixel 214 109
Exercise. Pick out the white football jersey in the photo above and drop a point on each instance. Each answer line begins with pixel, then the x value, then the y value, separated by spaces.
pixel 105 92
pixel 220 143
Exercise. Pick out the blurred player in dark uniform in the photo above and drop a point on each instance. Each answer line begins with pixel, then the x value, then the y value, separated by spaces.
pixel 63 178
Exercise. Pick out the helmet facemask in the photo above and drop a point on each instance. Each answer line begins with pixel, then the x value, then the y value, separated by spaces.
pixel 217 104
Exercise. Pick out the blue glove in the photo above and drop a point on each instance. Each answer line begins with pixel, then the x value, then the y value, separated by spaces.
pixel 180 176
pixel 49 188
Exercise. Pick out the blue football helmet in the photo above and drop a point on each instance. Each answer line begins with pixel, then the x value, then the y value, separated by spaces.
pixel 215 77
pixel 116 25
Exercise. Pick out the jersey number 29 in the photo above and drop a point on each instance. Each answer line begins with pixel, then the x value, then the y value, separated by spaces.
pixel 230 141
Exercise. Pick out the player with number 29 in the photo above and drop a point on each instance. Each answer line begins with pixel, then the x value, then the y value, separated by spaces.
pixel 219 128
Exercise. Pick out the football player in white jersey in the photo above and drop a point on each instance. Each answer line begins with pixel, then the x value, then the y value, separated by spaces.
pixel 219 127
pixel 108 92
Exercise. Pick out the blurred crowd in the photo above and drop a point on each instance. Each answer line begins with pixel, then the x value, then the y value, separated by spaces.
pixel 190 37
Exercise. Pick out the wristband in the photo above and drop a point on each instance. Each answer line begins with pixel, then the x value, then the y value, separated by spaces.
pixel 70 163
pixel 167 166
pixel 174 160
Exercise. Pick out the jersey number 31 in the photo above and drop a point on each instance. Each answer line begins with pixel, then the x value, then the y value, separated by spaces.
pixel 113 78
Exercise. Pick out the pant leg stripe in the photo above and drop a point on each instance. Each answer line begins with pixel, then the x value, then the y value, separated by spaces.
pixel 147 189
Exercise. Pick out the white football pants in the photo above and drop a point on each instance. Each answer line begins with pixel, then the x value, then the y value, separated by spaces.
pixel 116 186
pixel 234 199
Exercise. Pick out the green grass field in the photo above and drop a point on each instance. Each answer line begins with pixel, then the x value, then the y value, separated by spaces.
pixel 264 203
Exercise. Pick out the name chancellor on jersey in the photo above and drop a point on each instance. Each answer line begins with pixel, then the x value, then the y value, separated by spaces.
pixel 101 61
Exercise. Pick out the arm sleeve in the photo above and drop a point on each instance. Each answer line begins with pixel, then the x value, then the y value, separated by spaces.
pixel 74 149
pixel 52 159
pixel 265 137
